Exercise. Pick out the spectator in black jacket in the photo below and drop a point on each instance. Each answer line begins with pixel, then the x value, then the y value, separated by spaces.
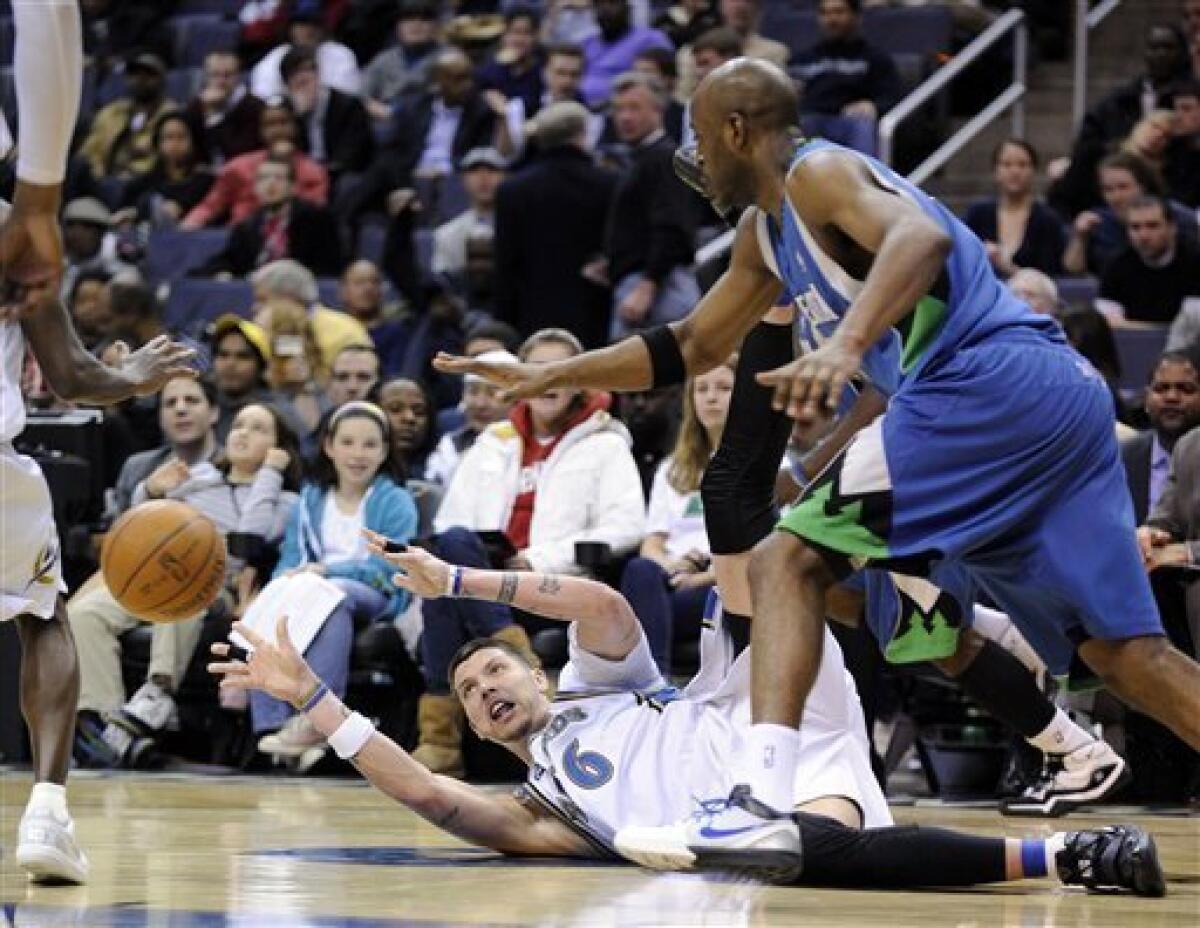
pixel 283 227
pixel 177 182
pixel 848 82
pixel 1182 168
pixel 1018 229
pixel 550 221
pixel 652 223
pixel 224 115
pixel 334 127
pixel 1113 118
pixel 1149 281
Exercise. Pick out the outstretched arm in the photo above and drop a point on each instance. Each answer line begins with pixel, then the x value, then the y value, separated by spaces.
pixel 706 337
pixel 499 822
pixel 606 624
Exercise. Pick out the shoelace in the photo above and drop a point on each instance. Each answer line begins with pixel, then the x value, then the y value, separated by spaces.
pixel 708 809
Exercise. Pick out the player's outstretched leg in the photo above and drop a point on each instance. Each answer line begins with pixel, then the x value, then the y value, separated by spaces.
pixel 909 857
pixel 46 846
pixel 1153 677
pixel 1080 769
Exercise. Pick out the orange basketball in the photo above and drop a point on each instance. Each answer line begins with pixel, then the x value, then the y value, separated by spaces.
pixel 164 561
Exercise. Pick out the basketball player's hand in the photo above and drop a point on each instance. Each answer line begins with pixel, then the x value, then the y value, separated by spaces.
pixel 810 387
pixel 516 381
pixel 273 668
pixel 420 572
pixel 156 362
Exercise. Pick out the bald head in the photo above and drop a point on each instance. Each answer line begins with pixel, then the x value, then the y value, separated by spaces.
pixel 762 92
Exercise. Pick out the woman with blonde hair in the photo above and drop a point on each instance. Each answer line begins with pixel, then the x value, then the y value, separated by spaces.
pixel 669 581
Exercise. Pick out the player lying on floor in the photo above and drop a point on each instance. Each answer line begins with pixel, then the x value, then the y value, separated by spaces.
pixel 619 750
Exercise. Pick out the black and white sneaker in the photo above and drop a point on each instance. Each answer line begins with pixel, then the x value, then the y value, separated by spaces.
pixel 1088 774
pixel 1112 858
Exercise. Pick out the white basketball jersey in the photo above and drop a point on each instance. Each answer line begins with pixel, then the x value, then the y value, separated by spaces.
pixel 647 754
pixel 12 403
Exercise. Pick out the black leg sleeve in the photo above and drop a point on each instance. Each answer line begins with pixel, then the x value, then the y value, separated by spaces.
pixel 1003 686
pixel 739 483
pixel 895 858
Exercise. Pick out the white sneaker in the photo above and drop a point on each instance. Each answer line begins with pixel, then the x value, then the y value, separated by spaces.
pixel 151 710
pixel 296 738
pixel 47 851
pixel 737 834
pixel 1088 774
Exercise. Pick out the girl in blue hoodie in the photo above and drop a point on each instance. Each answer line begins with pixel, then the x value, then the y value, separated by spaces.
pixel 354 487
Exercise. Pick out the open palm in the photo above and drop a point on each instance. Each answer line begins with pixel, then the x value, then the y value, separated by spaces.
pixel 275 668
pixel 516 381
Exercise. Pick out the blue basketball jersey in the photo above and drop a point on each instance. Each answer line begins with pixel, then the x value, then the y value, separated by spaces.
pixel 966 305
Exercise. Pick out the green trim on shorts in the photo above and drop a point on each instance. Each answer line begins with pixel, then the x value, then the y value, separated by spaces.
pixel 837 527
pixel 920 643
pixel 923 325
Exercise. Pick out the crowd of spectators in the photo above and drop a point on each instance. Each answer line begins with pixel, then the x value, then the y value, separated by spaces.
pixel 352 187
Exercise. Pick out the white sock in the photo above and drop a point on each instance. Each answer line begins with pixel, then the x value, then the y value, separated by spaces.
pixel 1061 736
pixel 1055 844
pixel 998 627
pixel 768 765
pixel 52 796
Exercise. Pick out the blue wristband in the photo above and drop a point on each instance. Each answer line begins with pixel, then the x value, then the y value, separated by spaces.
pixel 316 697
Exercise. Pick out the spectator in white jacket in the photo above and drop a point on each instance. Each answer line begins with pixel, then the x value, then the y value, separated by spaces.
pixel 558 471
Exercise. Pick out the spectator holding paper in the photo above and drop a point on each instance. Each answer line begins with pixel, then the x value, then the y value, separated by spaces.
pixel 354 486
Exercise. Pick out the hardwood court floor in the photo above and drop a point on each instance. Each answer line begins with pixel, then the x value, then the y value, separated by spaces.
pixel 183 851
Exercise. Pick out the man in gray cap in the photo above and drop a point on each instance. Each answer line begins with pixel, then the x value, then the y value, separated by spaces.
pixel 482 170
pixel 87 243
pixel 121 141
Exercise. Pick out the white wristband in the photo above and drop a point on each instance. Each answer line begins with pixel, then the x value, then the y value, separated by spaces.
pixel 351 736
pixel 453 581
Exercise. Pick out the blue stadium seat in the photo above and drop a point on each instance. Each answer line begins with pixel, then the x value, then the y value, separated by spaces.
pixel 423 247
pixel 1077 291
pixel 171 253
pixel 926 30
pixel 327 291
pixel 1138 350
pixel 371 236
pixel 110 88
pixel 182 84
pixel 7 32
pixel 797 29
pixel 196 36
pixel 194 303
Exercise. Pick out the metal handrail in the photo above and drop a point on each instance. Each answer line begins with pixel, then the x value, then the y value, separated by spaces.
pixel 1013 95
pixel 1085 22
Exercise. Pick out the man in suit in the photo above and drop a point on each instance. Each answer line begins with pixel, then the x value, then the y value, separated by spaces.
pixel 550 221
pixel 1171 536
pixel 224 115
pixel 1173 407
pixel 283 227
pixel 652 223
pixel 334 127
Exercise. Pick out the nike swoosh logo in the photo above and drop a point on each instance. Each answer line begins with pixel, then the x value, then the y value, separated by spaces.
pixel 714 833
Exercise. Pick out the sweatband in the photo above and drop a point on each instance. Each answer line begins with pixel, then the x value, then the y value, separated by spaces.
pixel 666 360
pixel 351 736
pixel 48 67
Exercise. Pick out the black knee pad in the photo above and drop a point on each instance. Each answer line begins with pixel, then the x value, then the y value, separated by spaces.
pixel 738 488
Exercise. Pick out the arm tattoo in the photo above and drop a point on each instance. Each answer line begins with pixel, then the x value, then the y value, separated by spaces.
pixel 550 585
pixel 508 588
pixel 445 820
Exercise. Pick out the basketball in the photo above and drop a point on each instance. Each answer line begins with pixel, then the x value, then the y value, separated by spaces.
pixel 163 561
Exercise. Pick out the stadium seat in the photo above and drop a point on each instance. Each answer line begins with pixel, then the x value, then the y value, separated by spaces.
pixel 918 30
pixel 1138 350
pixel 1077 291
pixel 171 253
pixel 194 303
pixel 196 36
pixel 7 32
pixel 327 291
pixel 371 238
pixel 797 29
